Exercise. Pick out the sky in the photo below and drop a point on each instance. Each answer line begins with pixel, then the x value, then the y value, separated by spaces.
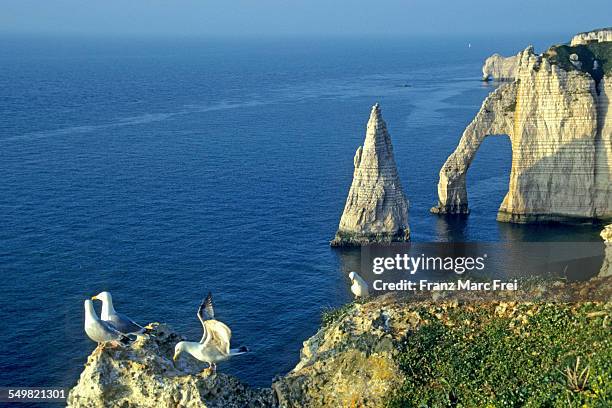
pixel 285 18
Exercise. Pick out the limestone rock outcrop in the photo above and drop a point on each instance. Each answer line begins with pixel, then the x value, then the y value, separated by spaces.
pixel 606 267
pixel 376 209
pixel 595 36
pixel 500 68
pixel 144 375
pixel 559 121
pixel 351 362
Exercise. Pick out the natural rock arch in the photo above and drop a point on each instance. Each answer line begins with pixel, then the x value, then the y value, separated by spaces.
pixel 496 117
pixel 560 127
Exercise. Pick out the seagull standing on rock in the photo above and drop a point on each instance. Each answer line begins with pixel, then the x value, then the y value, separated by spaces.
pixel 100 331
pixel 215 343
pixel 120 321
pixel 359 286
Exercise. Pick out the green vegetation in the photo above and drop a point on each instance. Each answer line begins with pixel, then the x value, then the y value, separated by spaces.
pixel 550 355
pixel 602 52
pixel 331 315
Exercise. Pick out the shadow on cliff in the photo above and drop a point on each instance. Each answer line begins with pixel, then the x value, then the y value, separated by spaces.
pixel 561 187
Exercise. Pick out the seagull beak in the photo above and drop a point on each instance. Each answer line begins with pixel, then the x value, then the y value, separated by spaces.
pixel 94 298
pixel 175 357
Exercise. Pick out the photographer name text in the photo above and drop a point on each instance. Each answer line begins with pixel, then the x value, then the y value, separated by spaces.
pixel 426 285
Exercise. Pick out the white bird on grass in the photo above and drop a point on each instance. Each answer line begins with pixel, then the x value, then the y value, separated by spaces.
pixel 120 321
pixel 359 286
pixel 215 343
pixel 100 331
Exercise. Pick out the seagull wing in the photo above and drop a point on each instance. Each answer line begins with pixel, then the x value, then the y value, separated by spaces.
pixel 112 330
pixel 206 310
pixel 126 318
pixel 205 313
pixel 124 323
pixel 219 336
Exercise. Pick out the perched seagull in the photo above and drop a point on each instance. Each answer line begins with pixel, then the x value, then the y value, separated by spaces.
pixel 359 286
pixel 120 321
pixel 215 343
pixel 100 331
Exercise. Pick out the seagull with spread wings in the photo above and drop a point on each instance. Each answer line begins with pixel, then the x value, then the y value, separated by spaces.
pixel 215 343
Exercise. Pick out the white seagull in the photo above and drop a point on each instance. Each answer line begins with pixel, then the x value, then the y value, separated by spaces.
pixel 120 321
pixel 359 286
pixel 100 331
pixel 215 343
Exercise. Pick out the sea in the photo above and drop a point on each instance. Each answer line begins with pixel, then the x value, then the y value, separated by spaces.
pixel 160 169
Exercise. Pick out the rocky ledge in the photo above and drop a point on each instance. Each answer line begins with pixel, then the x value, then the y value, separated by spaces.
pixel 389 351
pixel 144 375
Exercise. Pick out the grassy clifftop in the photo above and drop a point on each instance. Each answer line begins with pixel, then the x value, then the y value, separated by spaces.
pixel 477 351
pixel 587 54
pixel 507 355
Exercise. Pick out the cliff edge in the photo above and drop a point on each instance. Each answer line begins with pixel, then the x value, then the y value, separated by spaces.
pixel 396 352
pixel 492 351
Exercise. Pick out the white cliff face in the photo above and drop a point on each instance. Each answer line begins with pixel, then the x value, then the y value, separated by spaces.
pixel 601 35
pixel 376 209
pixel 554 140
pixel 500 68
pixel 559 125
pixel 603 150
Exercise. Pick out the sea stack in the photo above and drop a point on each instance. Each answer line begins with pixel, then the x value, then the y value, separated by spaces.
pixel 376 208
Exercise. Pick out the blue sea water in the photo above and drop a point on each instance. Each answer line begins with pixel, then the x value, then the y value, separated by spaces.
pixel 162 169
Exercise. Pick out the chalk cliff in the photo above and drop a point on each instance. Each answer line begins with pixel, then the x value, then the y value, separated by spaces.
pixel 556 113
pixel 589 37
pixel 376 209
pixel 500 68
